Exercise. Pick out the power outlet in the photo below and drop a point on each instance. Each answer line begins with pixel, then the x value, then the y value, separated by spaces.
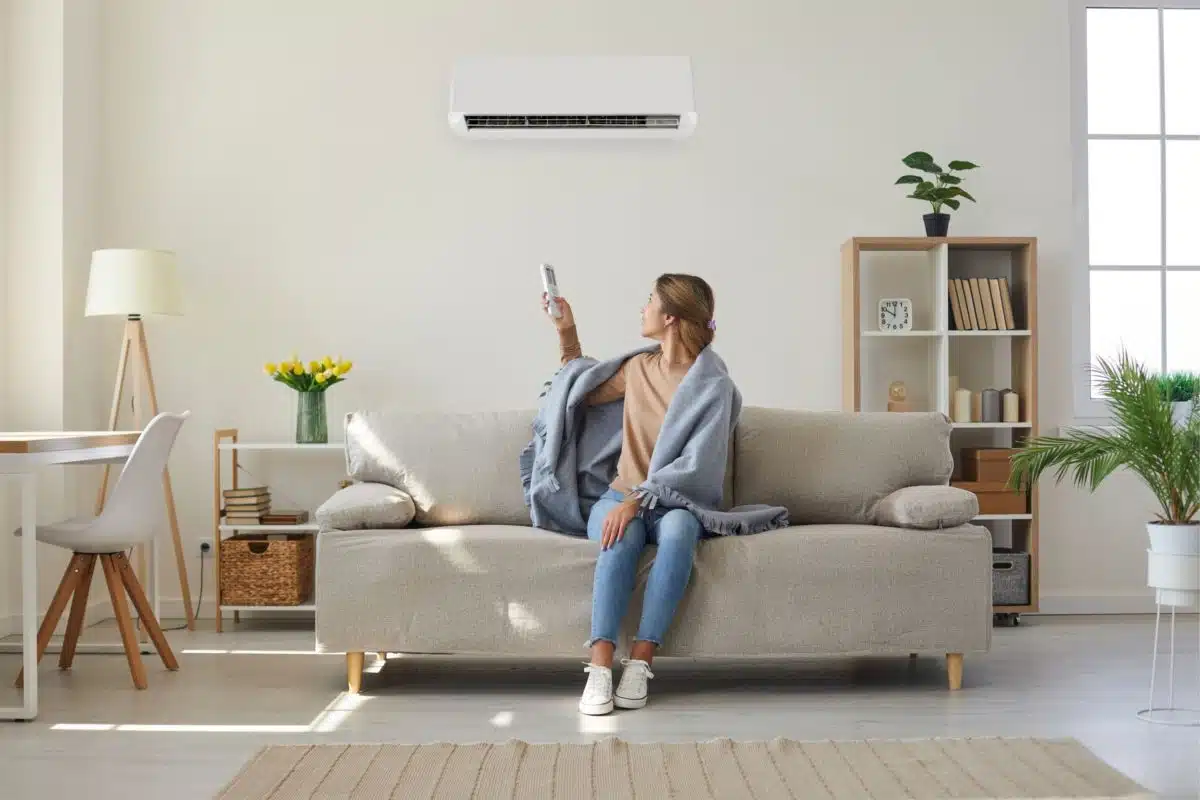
pixel 206 548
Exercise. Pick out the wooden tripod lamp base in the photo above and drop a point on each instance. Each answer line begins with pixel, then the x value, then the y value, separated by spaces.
pixel 131 283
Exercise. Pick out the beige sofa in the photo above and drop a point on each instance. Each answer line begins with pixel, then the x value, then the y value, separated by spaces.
pixel 864 570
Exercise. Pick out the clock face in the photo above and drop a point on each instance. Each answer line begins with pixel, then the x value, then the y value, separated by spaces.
pixel 895 314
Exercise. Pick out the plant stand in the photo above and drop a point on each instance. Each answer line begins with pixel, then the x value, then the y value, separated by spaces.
pixel 1170 714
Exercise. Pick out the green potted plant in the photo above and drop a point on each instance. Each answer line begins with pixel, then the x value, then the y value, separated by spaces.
pixel 1144 438
pixel 942 190
pixel 1180 389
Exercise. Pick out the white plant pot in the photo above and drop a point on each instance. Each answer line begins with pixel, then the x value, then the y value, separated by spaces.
pixel 1180 411
pixel 1173 564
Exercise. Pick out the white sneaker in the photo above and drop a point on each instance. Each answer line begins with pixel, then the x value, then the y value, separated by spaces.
pixel 598 694
pixel 634 688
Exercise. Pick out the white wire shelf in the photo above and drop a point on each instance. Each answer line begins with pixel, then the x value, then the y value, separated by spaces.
pixel 302 607
pixel 279 446
pixel 306 527
pixel 986 425
pixel 899 334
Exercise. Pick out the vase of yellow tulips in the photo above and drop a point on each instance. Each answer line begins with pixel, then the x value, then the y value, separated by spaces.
pixel 310 381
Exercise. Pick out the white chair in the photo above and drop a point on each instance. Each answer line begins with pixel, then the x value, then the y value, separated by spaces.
pixel 127 520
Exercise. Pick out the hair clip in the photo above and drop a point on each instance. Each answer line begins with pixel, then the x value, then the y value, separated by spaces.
pixel 712 324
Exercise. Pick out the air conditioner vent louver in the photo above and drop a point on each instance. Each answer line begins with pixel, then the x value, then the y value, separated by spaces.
pixel 572 97
pixel 558 121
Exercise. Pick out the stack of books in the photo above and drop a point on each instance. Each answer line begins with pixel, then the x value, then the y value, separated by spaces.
pixel 981 304
pixel 246 506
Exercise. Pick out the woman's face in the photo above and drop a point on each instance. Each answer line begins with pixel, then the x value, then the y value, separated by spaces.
pixel 654 320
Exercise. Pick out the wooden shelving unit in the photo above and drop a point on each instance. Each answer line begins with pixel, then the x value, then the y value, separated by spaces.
pixel 226 441
pixel 920 268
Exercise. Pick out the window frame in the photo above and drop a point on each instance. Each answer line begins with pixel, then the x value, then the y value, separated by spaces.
pixel 1087 407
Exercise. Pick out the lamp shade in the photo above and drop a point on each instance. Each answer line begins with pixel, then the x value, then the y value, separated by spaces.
pixel 133 282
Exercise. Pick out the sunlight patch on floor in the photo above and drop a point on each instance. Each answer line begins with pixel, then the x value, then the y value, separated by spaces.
pixel 64 726
pixel 609 723
pixel 330 719
pixel 211 652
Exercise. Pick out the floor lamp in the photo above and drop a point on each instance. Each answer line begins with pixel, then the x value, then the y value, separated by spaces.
pixel 133 283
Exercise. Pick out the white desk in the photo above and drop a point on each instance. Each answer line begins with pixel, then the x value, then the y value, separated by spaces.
pixel 21 455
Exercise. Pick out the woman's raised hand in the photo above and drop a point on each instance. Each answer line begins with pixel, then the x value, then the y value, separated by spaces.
pixel 566 317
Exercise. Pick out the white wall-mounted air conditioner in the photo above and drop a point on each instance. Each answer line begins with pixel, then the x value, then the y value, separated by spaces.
pixel 573 97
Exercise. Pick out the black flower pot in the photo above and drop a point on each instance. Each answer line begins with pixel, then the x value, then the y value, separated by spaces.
pixel 936 224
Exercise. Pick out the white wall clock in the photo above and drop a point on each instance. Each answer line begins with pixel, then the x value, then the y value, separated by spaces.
pixel 895 314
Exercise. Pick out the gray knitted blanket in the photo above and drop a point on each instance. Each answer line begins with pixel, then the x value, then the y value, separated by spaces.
pixel 572 457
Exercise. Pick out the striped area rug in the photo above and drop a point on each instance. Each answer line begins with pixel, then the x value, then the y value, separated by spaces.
pixel 720 769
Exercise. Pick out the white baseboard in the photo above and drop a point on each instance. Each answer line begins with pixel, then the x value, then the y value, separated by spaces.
pixel 1141 602
pixel 97 611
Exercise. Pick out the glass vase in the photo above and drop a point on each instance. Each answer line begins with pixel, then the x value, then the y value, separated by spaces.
pixel 311 425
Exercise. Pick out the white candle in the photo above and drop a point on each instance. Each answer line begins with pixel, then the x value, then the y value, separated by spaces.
pixel 1012 407
pixel 962 405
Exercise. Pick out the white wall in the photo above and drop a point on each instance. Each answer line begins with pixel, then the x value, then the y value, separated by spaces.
pixel 301 165
pixel 50 180
pixel 6 553
pixel 33 242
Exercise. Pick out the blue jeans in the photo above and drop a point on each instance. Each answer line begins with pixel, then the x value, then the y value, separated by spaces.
pixel 676 533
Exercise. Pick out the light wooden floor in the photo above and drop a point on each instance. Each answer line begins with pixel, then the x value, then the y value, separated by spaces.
pixel 191 731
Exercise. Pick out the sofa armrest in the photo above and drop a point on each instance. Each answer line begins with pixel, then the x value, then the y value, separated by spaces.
pixel 927 507
pixel 366 505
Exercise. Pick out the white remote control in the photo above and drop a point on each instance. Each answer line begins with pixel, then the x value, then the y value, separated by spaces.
pixel 550 284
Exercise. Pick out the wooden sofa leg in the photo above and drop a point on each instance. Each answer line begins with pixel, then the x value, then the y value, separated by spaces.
pixel 954 670
pixel 354 672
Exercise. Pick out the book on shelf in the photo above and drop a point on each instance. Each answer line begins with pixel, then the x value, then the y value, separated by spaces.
pixel 285 517
pixel 247 508
pixel 982 304
pixel 980 285
pixel 245 491
pixel 997 304
pixel 243 519
pixel 1006 296
pixel 964 289
pixel 973 288
pixel 956 311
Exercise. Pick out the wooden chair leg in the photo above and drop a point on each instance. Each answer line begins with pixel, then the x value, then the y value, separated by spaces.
pixel 66 587
pixel 145 611
pixel 78 611
pixel 116 592
pixel 354 672
pixel 954 670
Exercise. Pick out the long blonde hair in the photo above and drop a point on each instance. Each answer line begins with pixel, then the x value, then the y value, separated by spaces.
pixel 690 300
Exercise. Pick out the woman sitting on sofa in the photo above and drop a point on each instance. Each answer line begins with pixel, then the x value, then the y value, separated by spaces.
pixel 679 314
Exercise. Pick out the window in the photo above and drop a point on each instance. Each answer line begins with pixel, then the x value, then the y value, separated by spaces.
pixel 1136 130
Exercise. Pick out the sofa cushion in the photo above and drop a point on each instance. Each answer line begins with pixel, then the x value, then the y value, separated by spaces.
pixel 927 507
pixel 459 469
pixel 835 467
pixel 820 589
pixel 366 505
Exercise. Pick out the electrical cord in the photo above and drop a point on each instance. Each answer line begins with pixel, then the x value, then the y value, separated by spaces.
pixel 199 598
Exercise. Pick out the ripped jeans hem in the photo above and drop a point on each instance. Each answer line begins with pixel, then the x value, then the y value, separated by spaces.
pixel 651 640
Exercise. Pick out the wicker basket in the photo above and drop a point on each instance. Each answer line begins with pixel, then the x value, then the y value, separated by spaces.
pixel 257 571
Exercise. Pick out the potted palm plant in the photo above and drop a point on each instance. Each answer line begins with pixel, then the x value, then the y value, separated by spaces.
pixel 1144 438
